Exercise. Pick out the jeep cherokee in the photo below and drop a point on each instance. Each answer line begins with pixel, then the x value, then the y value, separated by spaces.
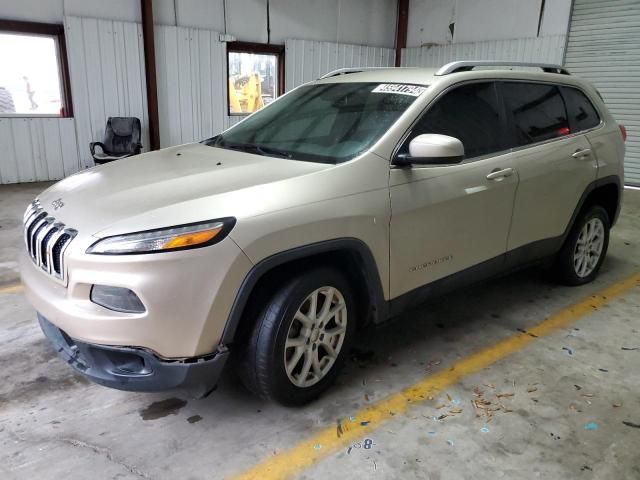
pixel 346 201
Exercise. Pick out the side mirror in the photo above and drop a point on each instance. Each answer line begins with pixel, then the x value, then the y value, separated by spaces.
pixel 432 149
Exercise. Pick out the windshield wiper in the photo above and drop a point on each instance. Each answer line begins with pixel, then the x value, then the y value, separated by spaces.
pixel 254 147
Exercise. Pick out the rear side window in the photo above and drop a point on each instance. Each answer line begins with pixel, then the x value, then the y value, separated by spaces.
pixel 582 113
pixel 537 110
pixel 469 113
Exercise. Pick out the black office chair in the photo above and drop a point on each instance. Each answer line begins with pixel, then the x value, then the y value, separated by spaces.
pixel 121 139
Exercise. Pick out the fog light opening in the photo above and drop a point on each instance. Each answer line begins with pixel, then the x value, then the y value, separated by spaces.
pixel 117 299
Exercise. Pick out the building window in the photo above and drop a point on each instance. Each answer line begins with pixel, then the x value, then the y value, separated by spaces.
pixel 256 76
pixel 34 78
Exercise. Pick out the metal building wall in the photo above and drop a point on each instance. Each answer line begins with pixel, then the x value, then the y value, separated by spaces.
pixel 604 47
pixel 107 79
pixel 307 60
pixel 37 149
pixel 549 49
pixel 192 77
pixel 106 63
pixel 192 91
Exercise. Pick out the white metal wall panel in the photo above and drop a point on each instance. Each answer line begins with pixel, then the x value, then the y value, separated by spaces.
pixel 307 60
pixel 37 149
pixel 106 63
pixel 192 95
pixel 549 49
pixel 604 47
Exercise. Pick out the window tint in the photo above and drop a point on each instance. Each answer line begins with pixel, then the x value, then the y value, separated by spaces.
pixel 537 110
pixel 469 113
pixel 582 113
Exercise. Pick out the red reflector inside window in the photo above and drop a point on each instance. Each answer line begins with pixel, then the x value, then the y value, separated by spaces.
pixel 564 131
pixel 623 132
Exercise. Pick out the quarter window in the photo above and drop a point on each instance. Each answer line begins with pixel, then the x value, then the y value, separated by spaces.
pixel 581 111
pixel 538 111
pixel 469 113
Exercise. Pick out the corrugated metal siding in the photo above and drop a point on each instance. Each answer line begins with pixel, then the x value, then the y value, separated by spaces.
pixel 37 149
pixel 307 60
pixel 192 77
pixel 192 95
pixel 604 47
pixel 106 63
pixel 547 49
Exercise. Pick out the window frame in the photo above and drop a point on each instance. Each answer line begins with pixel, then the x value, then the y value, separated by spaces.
pixel 503 123
pixel 46 30
pixel 259 49
pixel 511 124
pixel 569 104
pixel 508 126
pixel 570 134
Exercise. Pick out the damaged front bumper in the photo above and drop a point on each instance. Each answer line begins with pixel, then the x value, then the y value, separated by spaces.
pixel 135 369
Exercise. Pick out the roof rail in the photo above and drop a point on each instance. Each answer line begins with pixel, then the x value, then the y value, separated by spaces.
pixel 346 71
pixel 467 65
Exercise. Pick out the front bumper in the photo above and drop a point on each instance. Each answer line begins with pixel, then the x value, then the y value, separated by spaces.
pixel 134 369
pixel 187 296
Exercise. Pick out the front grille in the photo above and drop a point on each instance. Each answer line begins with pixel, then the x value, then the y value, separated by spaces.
pixel 46 240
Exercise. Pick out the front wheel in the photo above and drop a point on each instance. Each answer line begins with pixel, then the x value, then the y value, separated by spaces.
pixel 300 340
pixel 585 248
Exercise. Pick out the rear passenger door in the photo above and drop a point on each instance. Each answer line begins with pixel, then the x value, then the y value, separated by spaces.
pixel 554 161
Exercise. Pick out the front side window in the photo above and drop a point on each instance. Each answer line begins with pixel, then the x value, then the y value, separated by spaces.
pixel 469 113
pixel 327 123
pixel 537 111
pixel 581 111
pixel 30 74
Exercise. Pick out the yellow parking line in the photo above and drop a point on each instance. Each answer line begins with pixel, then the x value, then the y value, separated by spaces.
pixel 326 442
pixel 17 288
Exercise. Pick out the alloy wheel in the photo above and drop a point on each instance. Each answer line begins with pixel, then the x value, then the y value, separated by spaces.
pixel 315 336
pixel 588 247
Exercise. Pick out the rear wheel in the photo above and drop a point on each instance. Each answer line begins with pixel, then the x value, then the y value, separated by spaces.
pixel 300 340
pixel 585 248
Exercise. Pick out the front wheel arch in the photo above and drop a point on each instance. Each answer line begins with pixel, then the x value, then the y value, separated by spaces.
pixel 350 256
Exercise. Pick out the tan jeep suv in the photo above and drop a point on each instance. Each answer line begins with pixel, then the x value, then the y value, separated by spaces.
pixel 343 203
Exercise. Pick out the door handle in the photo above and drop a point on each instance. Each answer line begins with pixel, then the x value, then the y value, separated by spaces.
pixel 582 154
pixel 499 174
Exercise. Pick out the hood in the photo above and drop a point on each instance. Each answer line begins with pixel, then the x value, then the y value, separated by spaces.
pixel 176 185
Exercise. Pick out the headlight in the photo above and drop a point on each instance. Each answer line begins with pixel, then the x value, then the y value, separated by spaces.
pixel 181 237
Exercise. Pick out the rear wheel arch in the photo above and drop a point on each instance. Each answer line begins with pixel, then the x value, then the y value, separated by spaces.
pixel 606 192
pixel 350 256
pixel 607 196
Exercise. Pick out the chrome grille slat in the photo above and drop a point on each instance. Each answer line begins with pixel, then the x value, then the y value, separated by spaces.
pixel 39 225
pixel 47 240
pixel 52 241
pixel 57 252
pixel 30 224
pixel 40 236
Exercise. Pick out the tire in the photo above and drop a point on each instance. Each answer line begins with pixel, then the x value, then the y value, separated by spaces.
pixel 570 270
pixel 287 319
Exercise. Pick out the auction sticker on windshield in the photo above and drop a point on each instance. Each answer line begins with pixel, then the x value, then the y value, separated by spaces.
pixel 402 89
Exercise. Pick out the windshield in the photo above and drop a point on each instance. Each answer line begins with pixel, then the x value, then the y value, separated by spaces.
pixel 327 123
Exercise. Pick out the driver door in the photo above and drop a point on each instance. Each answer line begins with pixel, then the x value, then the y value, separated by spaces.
pixel 448 218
